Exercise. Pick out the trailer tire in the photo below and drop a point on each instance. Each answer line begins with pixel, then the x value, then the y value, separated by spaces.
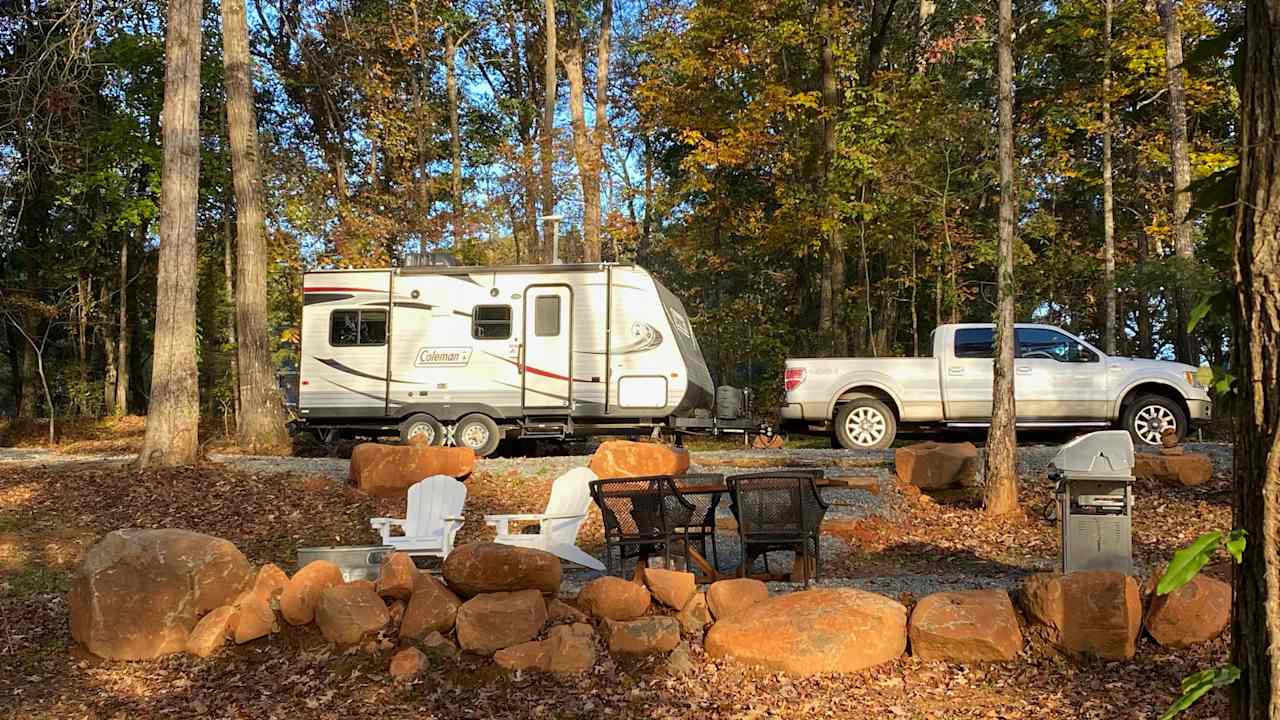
pixel 478 432
pixel 865 424
pixel 424 425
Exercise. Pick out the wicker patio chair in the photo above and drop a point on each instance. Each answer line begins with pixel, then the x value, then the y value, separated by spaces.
pixel 780 510
pixel 641 517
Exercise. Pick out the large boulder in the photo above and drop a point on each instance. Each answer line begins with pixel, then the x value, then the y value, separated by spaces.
pixel 1188 469
pixel 347 614
pixel 813 631
pixel 432 608
pixel 1196 612
pixel 966 626
pixel 613 598
pixel 726 598
pixel 646 636
pixel 302 592
pixel 139 593
pixel 389 470
pixel 937 466
pixel 478 568
pixel 625 458
pixel 670 587
pixel 1093 613
pixel 491 622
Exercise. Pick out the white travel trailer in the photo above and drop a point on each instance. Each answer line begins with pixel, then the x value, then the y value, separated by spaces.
pixel 470 355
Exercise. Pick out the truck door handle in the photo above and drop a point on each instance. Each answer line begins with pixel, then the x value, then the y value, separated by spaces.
pixel 955 371
pixel 1023 370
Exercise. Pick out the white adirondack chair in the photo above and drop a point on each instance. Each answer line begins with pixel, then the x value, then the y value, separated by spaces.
pixel 558 525
pixel 434 516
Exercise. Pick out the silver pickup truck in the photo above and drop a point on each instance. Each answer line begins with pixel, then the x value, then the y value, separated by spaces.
pixel 1059 381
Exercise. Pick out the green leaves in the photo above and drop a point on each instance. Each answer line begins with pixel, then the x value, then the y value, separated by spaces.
pixel 1195 685
pixel 1188 561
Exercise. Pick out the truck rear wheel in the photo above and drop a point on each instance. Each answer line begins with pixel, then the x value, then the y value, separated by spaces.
pixel 478 432
pixel 865 424
pixel 1147 418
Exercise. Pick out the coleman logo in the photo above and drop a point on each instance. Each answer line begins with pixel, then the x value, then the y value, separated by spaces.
pixel 443 356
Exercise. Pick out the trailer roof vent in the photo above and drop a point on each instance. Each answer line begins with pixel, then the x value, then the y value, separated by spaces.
pixel 430 259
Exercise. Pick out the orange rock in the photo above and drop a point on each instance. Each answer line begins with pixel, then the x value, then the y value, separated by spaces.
pixel 532 655
pixel 491 622
pixel 614 598
pixel 300 595
pixel 389 470
pixel 254 618
pixel 568 649
pixel 408 663
pixel 936 466
pixel 432 608
pixel 559 612
pixel 210 633
pixel 725 598
pixel 1194 613
pixel 1189 469
pixel 270 582
pixel 477 568
pixel 695 615
pixel 347 614
pixel 646 636
pixel 138 594
pixel 966 626
pixel 670 587
pixel 396 577
pixel 624 458
pixel 366 584
pixel 1094 613
pixel 813 631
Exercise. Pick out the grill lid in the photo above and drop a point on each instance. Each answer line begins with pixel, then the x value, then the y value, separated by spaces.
pixel 1107 454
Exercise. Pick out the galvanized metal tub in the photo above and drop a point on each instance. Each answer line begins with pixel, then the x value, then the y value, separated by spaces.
pixel 357 562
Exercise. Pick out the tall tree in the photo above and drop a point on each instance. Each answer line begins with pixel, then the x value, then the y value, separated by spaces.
pixel 831 328
pixel 260 424
pixel 1108 192
pixel 1001 494
pixel 547 133
pixel 1179 159
pixel 173 414
pixel 1255 630
pixel 588 143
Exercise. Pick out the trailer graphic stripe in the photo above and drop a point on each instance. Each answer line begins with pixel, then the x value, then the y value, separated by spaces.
pixel 326 288
pixel 368 395
pixel 352 371
pixel 539 372
pixel 536 392
pixel 312 298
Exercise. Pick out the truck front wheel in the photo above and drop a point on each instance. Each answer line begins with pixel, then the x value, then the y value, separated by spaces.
pixel 1149 416
pixel 865 424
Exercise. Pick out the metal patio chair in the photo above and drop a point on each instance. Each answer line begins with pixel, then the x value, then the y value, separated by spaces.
pixel 702 524
pixel 641 517
pixel 780 510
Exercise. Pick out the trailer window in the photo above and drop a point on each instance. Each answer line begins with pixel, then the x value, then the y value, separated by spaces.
pixel 357 327
pixel 974 343
pixel 546 316
pixel 491 322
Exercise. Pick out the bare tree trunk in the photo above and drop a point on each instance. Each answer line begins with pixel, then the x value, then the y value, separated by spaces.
pixel 1108 194
pixel 173 416
pixel 109 370
pixel 588 143
pixel 835 245
pixel 547 133
pixel 260 424
pixel 124 331
pixel 1255 630
pixel 229 291
pixel 1000 496
pixel 84 290
pixel 1145 339
pixel 1179 159
pixel 455 137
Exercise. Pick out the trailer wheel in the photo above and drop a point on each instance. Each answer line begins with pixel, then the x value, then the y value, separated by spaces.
pixel 865 424
pixel 422 426
pixel 478 432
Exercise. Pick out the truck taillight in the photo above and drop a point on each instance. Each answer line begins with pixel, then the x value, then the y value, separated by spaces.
pixel 792 378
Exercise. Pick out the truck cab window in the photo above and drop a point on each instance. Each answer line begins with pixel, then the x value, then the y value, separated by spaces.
pixel 491 322
pixel 974 342
pixel 1043 344
pixel 349 328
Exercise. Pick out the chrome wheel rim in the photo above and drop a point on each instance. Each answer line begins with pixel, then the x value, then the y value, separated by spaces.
pixel 865 426
pixel 1151 421
pixel 422 430
pixel 475 435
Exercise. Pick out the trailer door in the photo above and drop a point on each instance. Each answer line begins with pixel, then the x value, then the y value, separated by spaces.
pixel 548 347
